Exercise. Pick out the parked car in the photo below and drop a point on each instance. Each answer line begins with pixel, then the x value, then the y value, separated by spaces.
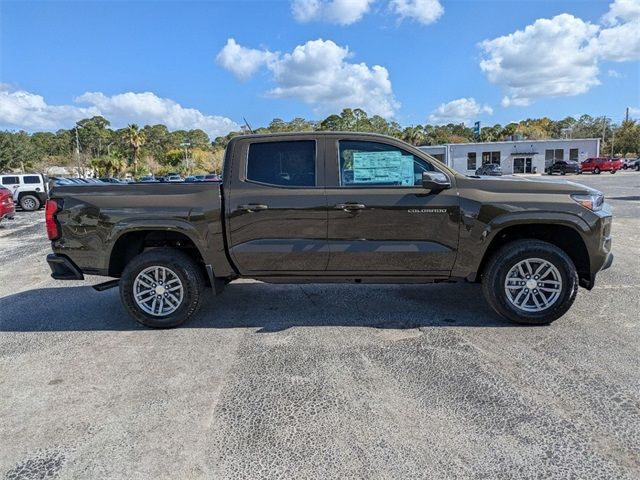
pixel 282 215
pixel 600 164
pixel 200 178
pixel 635 165
pixel 491 169
pixel 148 179
pixel 190 179
pixel 174 178
pixel 29 190
pixel 563 167
pixel 212 177
pixel 7 207
pixel 110 180
pixel 628 162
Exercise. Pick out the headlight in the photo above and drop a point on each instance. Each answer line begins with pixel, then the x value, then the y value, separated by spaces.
pixel 591 201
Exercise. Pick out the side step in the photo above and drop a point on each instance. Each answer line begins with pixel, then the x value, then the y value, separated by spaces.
pixel 101 287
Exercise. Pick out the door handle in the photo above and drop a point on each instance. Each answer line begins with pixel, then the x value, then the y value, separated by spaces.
pixel 253 207
pixel 350 206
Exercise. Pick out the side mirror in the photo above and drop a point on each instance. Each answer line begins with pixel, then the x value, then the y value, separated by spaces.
pixel 435 181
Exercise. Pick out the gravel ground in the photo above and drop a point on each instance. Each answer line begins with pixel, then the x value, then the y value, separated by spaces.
pixel 317 381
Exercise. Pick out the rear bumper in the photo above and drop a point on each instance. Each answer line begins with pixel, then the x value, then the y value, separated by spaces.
pixel 62 268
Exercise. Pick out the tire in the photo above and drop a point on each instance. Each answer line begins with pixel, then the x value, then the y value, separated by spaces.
pixel 29 203
pixel 175 264
pixel 507 258
pixel 596 171
pixel 563 172
pixel 637 167
pixel 613 171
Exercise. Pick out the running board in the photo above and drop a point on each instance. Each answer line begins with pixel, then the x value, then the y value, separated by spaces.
pixel 101 287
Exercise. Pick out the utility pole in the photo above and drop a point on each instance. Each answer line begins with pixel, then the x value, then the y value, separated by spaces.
pixel 77 151
pixel 604 128
pixel 613 137
pixel 626 115
pixel 186 145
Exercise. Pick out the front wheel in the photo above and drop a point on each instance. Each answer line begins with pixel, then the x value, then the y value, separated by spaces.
pixel 162 287
pixel 530 282
pixel 597 171
pixel 613 171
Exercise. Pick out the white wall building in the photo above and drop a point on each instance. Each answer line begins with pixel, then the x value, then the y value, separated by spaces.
pixel 522 156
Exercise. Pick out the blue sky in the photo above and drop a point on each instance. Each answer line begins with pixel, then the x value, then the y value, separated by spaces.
pixel 51 53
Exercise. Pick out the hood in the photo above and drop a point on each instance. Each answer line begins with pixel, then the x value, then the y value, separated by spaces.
pixel 514 184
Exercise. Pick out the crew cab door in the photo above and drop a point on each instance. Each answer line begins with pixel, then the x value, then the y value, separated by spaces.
pixel 276 205
pixel 381 219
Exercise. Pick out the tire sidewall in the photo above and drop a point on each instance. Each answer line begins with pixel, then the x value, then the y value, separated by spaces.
pixel 190 284
pixel 36 203
pixel 561 305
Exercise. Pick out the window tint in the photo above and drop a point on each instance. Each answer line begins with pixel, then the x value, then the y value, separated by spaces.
pixel 31 179
pixel 379 164
pixel 283 163
pixel 10 180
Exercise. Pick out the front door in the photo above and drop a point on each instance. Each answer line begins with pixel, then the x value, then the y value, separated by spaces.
pixel 381 219
pixel 276 206
pixel 522 165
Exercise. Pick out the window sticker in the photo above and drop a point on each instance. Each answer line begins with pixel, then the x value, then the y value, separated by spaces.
pixel 383 168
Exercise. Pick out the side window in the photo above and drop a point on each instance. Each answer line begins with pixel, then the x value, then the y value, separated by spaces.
pixel 10 180
pixel 31 179
pixel 290 164
pixel 378 164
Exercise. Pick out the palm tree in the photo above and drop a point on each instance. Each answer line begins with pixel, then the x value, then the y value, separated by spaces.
pixel 135 138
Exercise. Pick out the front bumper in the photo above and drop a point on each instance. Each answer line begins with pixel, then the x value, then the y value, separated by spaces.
pixel 63 268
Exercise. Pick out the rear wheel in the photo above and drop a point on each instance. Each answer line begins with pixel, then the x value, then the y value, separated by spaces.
pixel 637 167
pixel 613 171
pixel 162 287
pixel 530 282
pixel 596 171
pixel 29 203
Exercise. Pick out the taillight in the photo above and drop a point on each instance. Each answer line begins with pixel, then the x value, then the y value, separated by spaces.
pixel 52 207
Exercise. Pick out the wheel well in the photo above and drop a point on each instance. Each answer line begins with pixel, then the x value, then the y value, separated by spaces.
pixel 133 243
pixel 562 236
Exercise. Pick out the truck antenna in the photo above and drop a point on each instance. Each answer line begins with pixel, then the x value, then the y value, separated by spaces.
pixel 247 124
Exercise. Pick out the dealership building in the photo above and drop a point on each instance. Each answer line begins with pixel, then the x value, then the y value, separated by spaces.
pixel 521 156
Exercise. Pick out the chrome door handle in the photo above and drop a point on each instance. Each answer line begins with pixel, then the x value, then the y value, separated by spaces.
pixel 253 207
pixel 350 206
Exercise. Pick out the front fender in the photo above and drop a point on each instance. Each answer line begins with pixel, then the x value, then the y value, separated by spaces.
pixel 479 233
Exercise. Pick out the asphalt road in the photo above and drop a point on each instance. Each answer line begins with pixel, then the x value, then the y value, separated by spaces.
pixel 319 381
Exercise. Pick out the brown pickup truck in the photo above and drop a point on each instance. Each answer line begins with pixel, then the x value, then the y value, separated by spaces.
pixel 332 207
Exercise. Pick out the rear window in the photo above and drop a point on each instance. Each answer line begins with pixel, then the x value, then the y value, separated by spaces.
pixel 10 180
pixel 31 179
pixel 291 164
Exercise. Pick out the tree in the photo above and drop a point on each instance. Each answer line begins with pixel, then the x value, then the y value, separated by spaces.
pixel 135 138
pixel 627 138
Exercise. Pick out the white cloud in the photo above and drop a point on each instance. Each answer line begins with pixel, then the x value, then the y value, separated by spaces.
pixel 341 12
pixel 621 11
pixel 22 109
pixel 242 62
pixel 614 73
pixel 561 56
pixel 422 11
pixel 635 112
pixel 319 74
pixel 461 110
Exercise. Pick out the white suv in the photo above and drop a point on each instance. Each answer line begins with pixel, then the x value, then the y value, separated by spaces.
pixel 29 190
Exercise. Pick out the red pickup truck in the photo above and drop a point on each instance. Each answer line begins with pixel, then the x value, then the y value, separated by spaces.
pixel 600 164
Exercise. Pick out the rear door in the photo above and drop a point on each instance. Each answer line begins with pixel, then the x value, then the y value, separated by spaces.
pixel 381 219
pixel 276 205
